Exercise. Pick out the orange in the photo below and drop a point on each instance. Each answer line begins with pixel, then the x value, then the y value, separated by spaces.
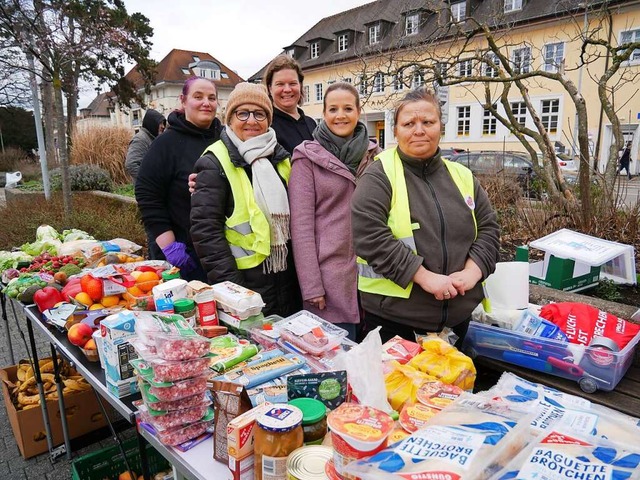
pixel 84 299
pixel 135 274
pixel 135 291
pixel 96 306
pixel 147 280
pixel 110 301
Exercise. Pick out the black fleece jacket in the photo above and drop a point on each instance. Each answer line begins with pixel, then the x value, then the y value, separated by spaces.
pixel 291 132
pixel 162 189
pixel 211 204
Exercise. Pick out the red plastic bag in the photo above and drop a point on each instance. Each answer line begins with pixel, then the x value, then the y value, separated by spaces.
pixel 582 322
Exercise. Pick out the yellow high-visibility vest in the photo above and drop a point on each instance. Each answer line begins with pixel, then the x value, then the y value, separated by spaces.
pixel 400 219
pixel 247 229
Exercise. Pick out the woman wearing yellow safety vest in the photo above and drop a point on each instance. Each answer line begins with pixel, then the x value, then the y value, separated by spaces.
pixel 424 231
pixel 240 209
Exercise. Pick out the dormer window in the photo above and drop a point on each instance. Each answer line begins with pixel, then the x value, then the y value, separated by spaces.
pixel 290 52
pixel 458 11
pixel 196 58
pixel 186 71
pixel 343 42
pixel 411 23
pixel 375 33
pixel 205 69
pixel 315 49
pixel 512 5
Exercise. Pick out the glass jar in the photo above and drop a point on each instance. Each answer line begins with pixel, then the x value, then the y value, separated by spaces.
pixel 187 308
pixel 278 434
pixel 314 419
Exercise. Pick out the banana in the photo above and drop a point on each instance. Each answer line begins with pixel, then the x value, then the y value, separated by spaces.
pixel 28 399
pixel 47 367
pixel 74 385
pixel 30 382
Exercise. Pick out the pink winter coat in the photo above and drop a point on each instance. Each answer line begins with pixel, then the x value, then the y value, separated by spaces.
pixel 320 190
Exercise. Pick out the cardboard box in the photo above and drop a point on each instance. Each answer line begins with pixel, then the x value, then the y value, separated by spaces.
pixel 240 433
pixel 116 332
pixel 242 469
pixel 82 411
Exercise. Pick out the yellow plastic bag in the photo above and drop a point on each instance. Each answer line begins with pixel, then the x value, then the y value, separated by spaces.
pixel 445 362
pixel 402 384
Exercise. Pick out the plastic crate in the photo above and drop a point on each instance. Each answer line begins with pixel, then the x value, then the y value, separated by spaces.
pixel 108 462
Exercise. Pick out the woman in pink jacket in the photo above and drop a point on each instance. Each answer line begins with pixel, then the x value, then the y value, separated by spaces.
pixel 323 178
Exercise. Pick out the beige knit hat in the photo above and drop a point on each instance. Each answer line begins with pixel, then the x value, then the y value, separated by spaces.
pixel 253 93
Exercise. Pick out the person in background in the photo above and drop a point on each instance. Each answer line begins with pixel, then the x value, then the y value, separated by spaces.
pixel 424 230
pixel 625 160
pixel 323 179
pixel 161 188
pixel 240 208
pixel 283 79
pixel 153 124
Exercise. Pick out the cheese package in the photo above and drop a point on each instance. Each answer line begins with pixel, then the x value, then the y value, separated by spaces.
pixel 569 455
pixel 444 362
pixel 460 442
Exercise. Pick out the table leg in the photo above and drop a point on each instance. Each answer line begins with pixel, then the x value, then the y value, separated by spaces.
pixel 142 447
pixel 43 401
pixel 5 318
pixel 63 410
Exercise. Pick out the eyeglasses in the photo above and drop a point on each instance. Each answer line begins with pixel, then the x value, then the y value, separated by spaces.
pixel 243 115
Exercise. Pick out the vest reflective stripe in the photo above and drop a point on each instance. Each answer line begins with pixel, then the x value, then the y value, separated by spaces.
pixel 400 220
pixel 247 229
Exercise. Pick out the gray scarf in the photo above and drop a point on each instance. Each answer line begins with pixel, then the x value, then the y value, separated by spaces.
pixel 350 151
pixel 269 193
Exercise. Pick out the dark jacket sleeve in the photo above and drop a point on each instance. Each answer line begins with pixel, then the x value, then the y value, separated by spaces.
pixel 209 203
pixel 372 238
pixel 152 185
pixel 137 148
pixel 485 250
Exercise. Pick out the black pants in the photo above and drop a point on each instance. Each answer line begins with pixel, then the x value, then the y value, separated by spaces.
pixel 390 329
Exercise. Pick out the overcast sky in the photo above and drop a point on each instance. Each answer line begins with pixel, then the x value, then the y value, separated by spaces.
pixel 242 34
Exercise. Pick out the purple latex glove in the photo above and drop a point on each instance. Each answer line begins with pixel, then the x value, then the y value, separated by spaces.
pixel 176 254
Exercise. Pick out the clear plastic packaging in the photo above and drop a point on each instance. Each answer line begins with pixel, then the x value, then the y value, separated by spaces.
pixel 172 419
pixel 181 389
pixel 237 300
pixel 268 333
pixel 178 435
pixel 171 335
pixel 311 333
pixel 172 371
pixel 182 403
pixel 172 347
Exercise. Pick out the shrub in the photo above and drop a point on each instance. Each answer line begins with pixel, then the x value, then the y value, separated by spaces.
pixel 83 178
pixel 103 146
pixel 11 158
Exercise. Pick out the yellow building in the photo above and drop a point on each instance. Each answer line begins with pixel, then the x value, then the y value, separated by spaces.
pixel 389 46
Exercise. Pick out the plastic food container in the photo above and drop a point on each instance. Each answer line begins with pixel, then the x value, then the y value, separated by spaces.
pixel 357 431
pixel 181 389
pixel 174 347
pixel 311 333
pixel 171 336
pixel 182 403
pixel 237 300
pixel 178 435
pixel 172 371
pixel 173 419
pixel 268 333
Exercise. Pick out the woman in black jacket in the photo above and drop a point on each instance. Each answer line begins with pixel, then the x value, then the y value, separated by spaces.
pixel 240 208
pixel 161 188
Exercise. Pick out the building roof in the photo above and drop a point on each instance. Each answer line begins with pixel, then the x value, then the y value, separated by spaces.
pixel 172 68
pixel 392 14
pixel 99 106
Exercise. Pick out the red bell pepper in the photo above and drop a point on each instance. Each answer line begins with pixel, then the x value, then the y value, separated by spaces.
pixel 71 289
pixel 46 298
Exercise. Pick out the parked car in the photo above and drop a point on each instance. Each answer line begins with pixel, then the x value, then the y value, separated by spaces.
pixel 511 164
pixel 566 163
pixel 447 153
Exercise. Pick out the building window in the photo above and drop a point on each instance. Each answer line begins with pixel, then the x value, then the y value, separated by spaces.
pixel 318 90
pixel 347 79
pixel 631 36
pixel 521 60
pixel 417 79
pixel 553 56
pixel 512 5
pixel 307 94
pixel 290 52
pixel 378 83
pixel 489 122
pixel 464 121
pixel 374 34
pixel 186 71
pixel 195 58
pixel 550 114
pixel 362 85
pixel 398 82
pixel 210 73
pixel 442 72
pixel 315 49
pixel 343 42
pixel 519 110
pixel 135 118
pixel 458 11
pixel 465 68
pixel 490 70
pixel 411 23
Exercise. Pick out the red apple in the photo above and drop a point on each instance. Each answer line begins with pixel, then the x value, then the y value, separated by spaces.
pixel 79 334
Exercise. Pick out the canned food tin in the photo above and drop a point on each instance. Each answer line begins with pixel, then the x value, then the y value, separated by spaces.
pixel 308 463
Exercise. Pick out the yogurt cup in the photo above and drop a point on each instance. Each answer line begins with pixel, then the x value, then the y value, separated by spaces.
pixel 357 431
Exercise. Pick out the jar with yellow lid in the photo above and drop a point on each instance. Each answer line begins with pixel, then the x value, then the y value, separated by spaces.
pixel 278 434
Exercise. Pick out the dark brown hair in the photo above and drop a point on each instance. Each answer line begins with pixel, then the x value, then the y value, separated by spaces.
pixel 283 62
pixel 341 86
pixel 417 95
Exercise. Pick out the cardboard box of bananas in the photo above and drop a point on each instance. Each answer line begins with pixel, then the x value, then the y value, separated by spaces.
pixel 24 391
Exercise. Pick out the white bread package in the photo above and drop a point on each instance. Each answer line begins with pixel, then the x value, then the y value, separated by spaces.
pixel 567 455
pixel 557 410
pixel 469 442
